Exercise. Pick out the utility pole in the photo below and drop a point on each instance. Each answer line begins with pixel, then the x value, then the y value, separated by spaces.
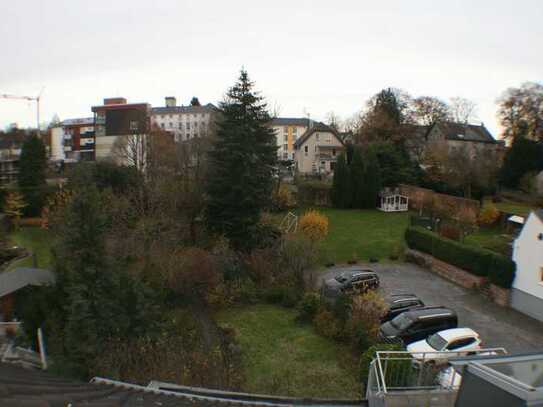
pixel 30 99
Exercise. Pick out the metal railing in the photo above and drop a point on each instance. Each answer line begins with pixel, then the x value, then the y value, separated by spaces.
pixel 396 371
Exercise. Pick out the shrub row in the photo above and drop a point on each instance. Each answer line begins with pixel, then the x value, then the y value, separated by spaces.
pixel 499 269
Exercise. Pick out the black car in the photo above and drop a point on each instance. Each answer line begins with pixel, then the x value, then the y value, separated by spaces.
pixel 398 303
pixel 417 324
pixel 351 281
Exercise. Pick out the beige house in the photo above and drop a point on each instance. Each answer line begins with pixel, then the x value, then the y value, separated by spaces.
pixel 316 151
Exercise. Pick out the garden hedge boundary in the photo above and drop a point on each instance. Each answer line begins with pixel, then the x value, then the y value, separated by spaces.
pixel 499 269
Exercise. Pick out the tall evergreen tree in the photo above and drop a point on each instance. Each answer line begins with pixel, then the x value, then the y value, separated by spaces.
pixel 242 161
pixel 358 179
pixel 31 177
pixel 372 177
pixel 341 189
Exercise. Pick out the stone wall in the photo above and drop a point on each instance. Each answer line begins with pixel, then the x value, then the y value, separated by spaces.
pixel 499 295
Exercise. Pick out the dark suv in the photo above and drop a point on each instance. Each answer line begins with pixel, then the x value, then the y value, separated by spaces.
pixel 351 281
pixel 417 324
pixel 398 303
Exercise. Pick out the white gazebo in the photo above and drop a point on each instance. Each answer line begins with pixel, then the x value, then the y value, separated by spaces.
pixel 393 202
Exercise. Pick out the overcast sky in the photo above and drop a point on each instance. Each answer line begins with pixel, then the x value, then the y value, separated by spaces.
pixel 305 56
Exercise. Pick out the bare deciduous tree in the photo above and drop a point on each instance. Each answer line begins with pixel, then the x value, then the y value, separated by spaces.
pixel 462 110
pixel 429 110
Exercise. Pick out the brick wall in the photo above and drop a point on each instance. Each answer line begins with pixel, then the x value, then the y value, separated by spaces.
pixel 500 296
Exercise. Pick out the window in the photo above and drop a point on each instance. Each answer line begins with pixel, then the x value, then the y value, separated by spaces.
pixel 285 147
pixel 180 126
pixel 334 152
pixel 541 275
pixel 133 125
pixel 315 148
pixel 317 136
pixel 285 130
pixel 306 149
pixel 295 130
pixel 188 126
pixel 171 125
pixel 162 125
pixel 169 116
pixel 460 343
pixel 285 138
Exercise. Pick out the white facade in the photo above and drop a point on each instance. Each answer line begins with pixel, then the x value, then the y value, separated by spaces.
pixel 185 122
pixel 528 255
pixel 57 144
pixel 286 135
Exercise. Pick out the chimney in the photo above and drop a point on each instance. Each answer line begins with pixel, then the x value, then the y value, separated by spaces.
pixel 114 101
pixel 170 101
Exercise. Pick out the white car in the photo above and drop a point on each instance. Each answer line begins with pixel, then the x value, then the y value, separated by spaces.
pixel 449 340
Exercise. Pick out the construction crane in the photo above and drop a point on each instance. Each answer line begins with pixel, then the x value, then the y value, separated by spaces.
pixel 30 99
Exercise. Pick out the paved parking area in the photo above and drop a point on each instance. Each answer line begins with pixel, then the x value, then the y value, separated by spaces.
pixel 498 326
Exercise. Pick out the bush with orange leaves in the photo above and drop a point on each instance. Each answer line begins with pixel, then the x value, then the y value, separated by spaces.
pixel 489 215
pixel 314 225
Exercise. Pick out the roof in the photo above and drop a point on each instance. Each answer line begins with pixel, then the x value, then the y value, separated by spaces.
pixel 26 387
pixel 121 106
pixel 516 219
pixel 290 121
pixel 11 281
pixel 466 132
pixel 184 109
pixel 83 121
pixel 449 334
pixel 317 126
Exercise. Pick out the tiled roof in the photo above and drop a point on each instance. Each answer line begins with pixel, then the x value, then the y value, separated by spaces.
pixel 25 387
pixel 466 132
pixel 317 126
pixel 184 109
pixel 290 121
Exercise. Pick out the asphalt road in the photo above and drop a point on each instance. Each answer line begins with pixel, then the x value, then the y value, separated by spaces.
pixel 497 326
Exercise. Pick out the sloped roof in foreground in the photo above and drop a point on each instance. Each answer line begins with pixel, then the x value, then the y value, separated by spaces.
pixel 24 387
pixel 11 281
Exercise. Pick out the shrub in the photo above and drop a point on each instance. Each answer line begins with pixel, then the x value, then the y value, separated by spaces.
pixel 326 324
pixel 450 232
pixel 480 262
pixel 248 293
pixel 274 295
pixel 370 354
pixel 489 215
pixel 308 307
pixel 314 193
pixel 314 225
pixel 283 198
pixel 366 313
pixel 290 298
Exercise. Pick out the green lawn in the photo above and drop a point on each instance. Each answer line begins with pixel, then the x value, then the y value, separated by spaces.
pixel 36 240
pixel 283 357
pixel 491 239
pixel 361 234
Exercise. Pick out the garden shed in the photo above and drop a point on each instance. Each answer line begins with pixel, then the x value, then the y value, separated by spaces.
pixel 393 202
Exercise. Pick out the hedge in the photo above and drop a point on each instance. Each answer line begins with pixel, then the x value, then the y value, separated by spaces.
pixel 499 269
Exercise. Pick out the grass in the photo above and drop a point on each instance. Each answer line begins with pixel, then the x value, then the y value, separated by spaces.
pixel 362 234
pixel 517 208
pixel 35 240
pixel 492 239
pixel 282 357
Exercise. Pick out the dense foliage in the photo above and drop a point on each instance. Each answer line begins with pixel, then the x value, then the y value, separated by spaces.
pixel 523 157
pixel 498 268
pixel 242 160
pixel 31 177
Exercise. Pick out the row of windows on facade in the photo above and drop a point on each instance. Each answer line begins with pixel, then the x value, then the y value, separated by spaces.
pixel 183 126
pixel 193 115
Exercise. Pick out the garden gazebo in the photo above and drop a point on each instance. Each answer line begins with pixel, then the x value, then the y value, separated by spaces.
pixel 393 202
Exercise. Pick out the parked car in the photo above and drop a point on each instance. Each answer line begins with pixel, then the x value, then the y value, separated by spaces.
pixel 417 324
pixel 351 281
pixel 398 303
pixel 449 340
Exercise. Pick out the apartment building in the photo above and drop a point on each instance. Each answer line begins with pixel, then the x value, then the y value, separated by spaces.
pixel 117 118
pixel 73 140
pixel 287 131
pixel 184 122
pixel 317 150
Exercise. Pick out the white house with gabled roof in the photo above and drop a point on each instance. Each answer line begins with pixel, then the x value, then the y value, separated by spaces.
pixel 316 151
pixel 527 289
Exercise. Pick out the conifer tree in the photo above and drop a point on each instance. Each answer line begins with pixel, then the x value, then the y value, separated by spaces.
pixel 358 179
pixel 372 180
pixel 341 190
pixel 242 161
pixel 31 177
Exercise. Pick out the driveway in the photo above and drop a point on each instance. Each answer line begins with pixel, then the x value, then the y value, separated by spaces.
pixel 498 326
